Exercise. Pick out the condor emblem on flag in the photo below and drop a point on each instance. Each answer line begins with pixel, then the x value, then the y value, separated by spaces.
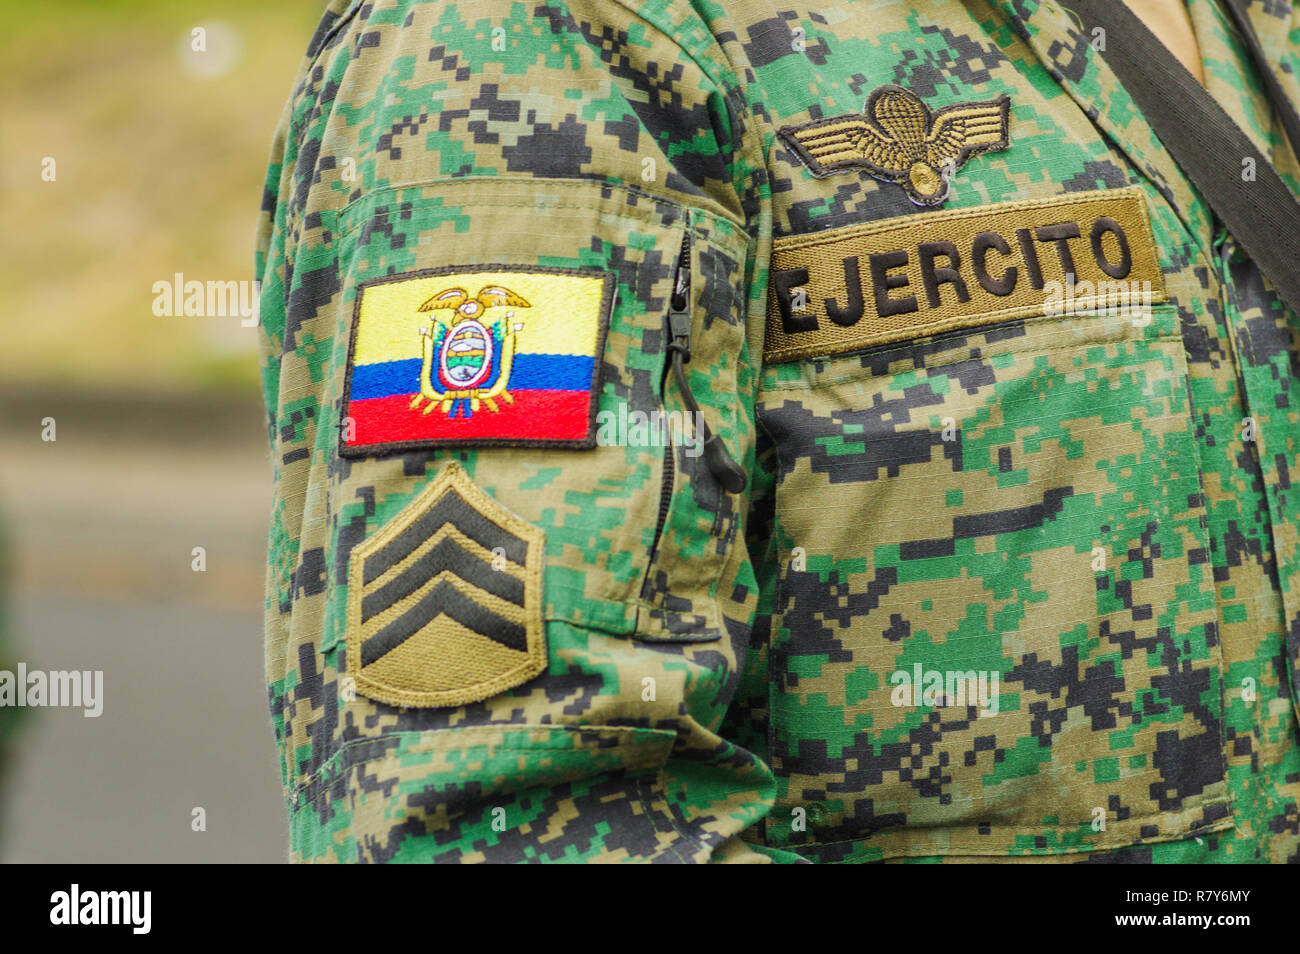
pixel 475 355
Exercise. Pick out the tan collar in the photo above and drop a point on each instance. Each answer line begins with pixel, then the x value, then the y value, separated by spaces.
pixel 1169 21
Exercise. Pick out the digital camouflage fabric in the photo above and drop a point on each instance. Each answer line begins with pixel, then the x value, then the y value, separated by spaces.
pixel 1004 581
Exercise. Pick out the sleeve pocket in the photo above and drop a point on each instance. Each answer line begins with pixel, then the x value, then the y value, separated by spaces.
pixel 518 326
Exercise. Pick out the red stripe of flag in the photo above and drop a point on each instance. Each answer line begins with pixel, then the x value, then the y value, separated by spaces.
pixel 534 415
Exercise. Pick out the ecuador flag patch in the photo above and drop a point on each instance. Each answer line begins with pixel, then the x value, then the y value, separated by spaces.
pixel 475 356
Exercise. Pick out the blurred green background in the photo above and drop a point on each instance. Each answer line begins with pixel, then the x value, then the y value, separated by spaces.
pixel 160 153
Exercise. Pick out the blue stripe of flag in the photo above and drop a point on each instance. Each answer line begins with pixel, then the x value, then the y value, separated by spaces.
pixel 542 372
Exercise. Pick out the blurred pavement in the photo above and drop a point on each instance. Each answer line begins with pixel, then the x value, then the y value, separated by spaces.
pixel 100 526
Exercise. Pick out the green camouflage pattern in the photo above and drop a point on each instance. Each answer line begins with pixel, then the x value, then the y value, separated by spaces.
pixel 1073 503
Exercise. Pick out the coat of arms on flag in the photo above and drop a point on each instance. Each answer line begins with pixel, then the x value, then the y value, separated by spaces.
pixel 475 355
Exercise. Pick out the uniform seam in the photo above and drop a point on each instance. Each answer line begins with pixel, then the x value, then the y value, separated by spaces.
pixel 330 765
pixel 705 234
pixel 1106 845
pixel 294 215
pixel 345 18
pixel 851 376
pixel 646 787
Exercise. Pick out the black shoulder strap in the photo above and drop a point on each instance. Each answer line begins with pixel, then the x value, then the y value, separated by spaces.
pixel 1206 143
pixel 1285 109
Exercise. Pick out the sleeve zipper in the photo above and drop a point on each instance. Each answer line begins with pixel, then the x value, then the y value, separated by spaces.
pixel 721 464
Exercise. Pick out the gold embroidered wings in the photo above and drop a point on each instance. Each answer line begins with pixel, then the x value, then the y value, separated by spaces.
pixel 899 140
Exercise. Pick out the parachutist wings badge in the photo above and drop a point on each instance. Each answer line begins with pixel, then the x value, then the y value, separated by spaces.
pixel 898 139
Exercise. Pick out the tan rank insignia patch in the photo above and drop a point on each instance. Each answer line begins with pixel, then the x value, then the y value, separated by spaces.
pixel 444 603
pixel 899 140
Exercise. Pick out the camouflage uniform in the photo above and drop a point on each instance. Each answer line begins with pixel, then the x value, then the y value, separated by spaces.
pixel 491 643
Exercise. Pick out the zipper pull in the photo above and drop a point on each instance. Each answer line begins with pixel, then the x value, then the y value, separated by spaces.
pixel 721 464
pixel 679 306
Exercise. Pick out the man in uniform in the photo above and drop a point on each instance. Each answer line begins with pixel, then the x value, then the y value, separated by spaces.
pixel 731 430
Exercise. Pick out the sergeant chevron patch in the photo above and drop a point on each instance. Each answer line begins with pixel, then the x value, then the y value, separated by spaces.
pixel 475 355
pixel 444 603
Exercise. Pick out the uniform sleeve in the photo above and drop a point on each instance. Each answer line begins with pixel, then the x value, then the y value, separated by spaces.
pixel 508 313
